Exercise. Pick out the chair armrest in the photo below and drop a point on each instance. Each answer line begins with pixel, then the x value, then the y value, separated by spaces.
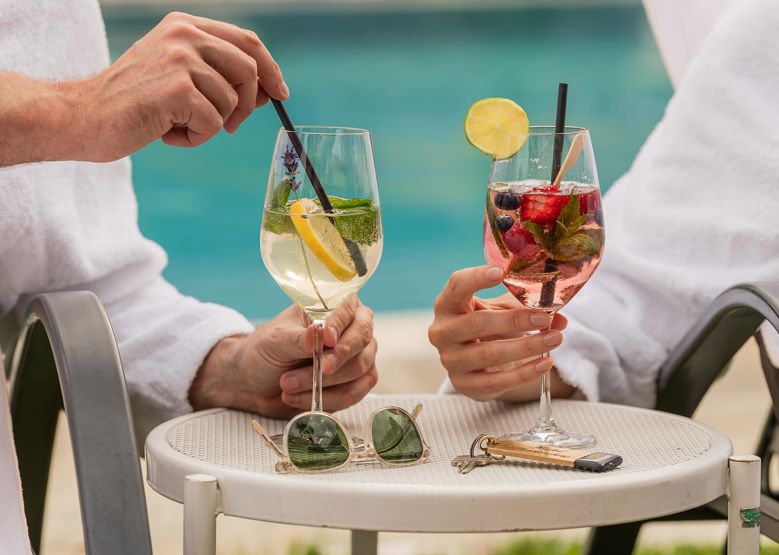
pixel 66 356
pixel 704 351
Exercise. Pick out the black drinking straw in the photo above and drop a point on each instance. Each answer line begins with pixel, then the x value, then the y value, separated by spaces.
pixel 548 290
pixel 298 146
pixel 559 128
pixel 324 200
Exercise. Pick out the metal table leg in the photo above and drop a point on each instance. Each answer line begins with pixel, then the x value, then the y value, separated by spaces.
pixel 365 542
pixel 200 506
pixel 744 505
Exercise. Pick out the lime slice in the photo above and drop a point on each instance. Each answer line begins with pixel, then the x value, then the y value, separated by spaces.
pixel 322 238
pixel 497 126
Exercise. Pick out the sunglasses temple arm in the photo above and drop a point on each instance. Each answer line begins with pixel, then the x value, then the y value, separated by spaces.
pixel 264 435
pixel 417 411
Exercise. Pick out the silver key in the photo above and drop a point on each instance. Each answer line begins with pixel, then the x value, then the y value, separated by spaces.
pixel 460 460
pixel 467 463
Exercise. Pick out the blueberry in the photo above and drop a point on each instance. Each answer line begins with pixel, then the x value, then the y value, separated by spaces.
pixel 599 217
pixel 506 200
pixel 504 222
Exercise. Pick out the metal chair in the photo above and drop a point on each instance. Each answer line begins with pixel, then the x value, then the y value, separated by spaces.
pixel 66 358
pixel 697 361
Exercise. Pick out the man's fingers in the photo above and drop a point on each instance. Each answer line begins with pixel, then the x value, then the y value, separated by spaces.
pixel 342 319
pixel 286 343
pixel 238 69
pixel 216 89
pixel 458 292
pixel 486 323
pixel 200 122
pixel 357 337
pixel 262 97
pixel 268 72
pixel 485 386
pixel 299 379
pixel 485 354
pixel 336 397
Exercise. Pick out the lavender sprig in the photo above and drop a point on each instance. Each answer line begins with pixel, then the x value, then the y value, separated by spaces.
pixel 291 166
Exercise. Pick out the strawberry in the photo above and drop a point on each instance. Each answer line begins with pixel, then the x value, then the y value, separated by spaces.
pixel 521 242
pixel 541 208
pixel 589 203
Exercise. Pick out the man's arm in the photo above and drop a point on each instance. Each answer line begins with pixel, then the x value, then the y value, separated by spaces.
pixel 39 120
pixel 184 81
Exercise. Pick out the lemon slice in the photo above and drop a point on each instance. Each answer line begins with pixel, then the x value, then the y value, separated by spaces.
pixel 322 238
pixel 497 126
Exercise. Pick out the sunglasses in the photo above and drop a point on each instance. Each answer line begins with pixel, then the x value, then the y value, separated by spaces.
pixel 318 442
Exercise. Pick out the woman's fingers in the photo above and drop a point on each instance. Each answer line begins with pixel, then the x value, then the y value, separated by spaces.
pixel 485 386
pixel 458 293
pixel 479 324
pixel 485 354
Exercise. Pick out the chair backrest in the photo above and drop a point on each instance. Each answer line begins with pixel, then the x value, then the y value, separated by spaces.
pixel 66 357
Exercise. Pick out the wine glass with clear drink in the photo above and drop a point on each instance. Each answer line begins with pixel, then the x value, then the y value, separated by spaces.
pixel 544 227
pixel 321 241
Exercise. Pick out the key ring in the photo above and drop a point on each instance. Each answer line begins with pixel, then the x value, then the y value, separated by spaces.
pixel 483 441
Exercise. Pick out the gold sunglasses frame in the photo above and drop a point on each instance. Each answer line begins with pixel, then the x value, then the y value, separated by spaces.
pixel 285 466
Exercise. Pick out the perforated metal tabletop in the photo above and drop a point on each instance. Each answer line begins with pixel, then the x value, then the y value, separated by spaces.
pixel 670 464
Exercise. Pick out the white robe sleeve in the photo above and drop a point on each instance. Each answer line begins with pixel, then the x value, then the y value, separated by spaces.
pixel 697 213
pixel 163 337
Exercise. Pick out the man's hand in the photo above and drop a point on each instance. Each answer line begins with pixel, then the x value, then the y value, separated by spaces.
pixel 185 80
pixel 484 344
pixel 269 371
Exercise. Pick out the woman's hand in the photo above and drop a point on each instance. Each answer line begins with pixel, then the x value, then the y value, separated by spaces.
pixel 484 344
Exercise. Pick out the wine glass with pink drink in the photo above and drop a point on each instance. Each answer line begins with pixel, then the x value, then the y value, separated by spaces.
pixel 543 221
pixel 543 225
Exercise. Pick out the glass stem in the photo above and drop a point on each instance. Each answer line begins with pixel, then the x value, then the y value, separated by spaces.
pixel 545 421
pixel 316 386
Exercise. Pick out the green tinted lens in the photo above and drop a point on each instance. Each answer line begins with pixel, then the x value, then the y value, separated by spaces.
pixel 317 442
pixel 396 437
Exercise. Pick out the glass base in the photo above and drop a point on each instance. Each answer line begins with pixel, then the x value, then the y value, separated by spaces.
pixel 555 437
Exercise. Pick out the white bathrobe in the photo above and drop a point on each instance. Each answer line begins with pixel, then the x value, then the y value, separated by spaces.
pixel 697 212
pixel 73 225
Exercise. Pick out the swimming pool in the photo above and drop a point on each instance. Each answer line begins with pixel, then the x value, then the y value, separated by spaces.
pixel 409 78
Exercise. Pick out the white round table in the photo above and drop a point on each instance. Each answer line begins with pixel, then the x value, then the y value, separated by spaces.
pixel 213 462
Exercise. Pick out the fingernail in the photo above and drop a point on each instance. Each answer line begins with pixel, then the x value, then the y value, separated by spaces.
pixel 494 274
pixel 330 363
pixel 335 333
pixel 542 365
pixel 284 89
pixel 289 399
pixel 540 319
pixel 552 338
pixel 291 383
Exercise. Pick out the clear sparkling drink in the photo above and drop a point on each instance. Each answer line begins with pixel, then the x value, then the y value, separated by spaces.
pixel 547 240
pixel 308 252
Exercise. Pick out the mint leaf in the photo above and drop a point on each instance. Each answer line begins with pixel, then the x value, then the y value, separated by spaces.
pixel 278 222
pixel 576 246
pixel 570 212
pixel 517 264
pixel 491 220
pixel 341 203
pixel 560 230
pixel 361 224
pixel 281 193
pixel 577 223
pixel 538 234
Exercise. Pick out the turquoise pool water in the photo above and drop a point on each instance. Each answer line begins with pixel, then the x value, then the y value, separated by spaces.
pixel 409 78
